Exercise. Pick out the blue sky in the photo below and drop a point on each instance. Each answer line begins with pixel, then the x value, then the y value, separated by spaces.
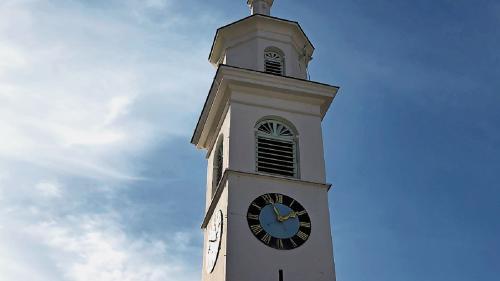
pixel 98 100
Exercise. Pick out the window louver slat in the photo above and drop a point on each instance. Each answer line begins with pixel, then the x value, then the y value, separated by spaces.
pixel 270 67
pixel 218 166
pixel 272 160
pixel 275 167
pixel 274 145
pixel 273 63
pixel 275 140
pixel 274 67
pixel 269 159
pixel 279 172
pixel 275 156
pixel 273 70
pixel 275 149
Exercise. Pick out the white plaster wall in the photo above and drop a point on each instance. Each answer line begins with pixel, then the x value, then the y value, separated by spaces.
pixel 248 52
pixel 248 259
pixel 242 141
pixel 243 55
pixel 224 130
pixel 219 272
pixel 242 257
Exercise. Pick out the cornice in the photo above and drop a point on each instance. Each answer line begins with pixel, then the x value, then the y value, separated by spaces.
pixel 290 88
pixel 255 17
pixel 229 172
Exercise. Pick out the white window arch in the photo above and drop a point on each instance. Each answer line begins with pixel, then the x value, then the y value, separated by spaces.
pixel 274 61
pixel 276 148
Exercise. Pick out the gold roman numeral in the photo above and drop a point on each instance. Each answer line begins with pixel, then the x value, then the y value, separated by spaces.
pixel 293 201
pixel 302 235
pixel 279 198
pixel 301 213
pixel 256 206
pixel 256 228
pixel 305 224
pixel 252 216
pixel 293 243
pixel 268 199
pixel 266 239
pixel 280 243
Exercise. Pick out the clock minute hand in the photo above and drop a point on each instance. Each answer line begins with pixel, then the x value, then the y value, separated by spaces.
pixel 278 216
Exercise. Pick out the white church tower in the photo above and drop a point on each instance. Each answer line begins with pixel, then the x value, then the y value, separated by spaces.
pixel 267 215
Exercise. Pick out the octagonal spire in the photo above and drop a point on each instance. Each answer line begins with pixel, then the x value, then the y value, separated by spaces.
pixel 262 7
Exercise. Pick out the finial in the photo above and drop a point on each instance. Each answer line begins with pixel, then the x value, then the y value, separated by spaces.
pixel 262 7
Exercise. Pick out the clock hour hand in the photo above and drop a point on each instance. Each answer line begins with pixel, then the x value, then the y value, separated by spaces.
pixel 292 214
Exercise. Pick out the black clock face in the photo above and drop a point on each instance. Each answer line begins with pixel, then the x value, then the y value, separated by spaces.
pixel 279 221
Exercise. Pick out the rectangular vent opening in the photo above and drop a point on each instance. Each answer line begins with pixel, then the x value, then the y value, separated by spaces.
pixel 276 157
pixel 274 67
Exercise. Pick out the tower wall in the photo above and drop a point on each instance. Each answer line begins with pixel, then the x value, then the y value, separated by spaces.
pixel 249 260
pixel 248 88
pixel 248 108
pixel 223 130
pixel 219 272
pixel 248 52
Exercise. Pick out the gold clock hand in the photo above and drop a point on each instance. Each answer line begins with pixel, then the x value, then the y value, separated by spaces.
pixel 276 211
pixel 278 216
pixel 292 214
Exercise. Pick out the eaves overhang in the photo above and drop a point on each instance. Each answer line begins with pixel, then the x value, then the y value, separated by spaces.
pixel 217 42
pixel 228 76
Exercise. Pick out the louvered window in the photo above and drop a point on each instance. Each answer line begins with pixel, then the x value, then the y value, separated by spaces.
pixel 218 166
pixel 276 149
pixel 274 62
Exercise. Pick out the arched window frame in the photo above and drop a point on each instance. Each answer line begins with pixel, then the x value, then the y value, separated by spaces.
pixel 291 137
pixel 274 61
pixel 218 164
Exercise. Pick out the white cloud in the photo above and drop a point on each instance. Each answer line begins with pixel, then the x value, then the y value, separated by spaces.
pixel 158 4
pixel 96 248
pixel 117 106
pixel 72 78
pixel 49 189
pixel 83 248
pixel 10 58
pixel 84 91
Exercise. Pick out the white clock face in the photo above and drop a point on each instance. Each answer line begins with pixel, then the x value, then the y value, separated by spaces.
pixel 214 231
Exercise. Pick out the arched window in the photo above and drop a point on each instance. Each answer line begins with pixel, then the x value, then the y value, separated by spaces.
pixel 274 61
pixel 218 163
pixel 276 150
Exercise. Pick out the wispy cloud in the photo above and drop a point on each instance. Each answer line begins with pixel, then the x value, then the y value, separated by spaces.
pixel 86 87
pixel 49 189
pixel 68 85
pixel 85 247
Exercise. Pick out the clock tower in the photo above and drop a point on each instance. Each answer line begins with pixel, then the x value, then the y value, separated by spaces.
pixel 266 215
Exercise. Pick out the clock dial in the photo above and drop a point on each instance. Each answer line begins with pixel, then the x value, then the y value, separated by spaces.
pixel 279 221
pixel 214 233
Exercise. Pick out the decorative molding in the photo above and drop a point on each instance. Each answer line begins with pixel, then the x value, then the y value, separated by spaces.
pixel 228 77
pixel 228 172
